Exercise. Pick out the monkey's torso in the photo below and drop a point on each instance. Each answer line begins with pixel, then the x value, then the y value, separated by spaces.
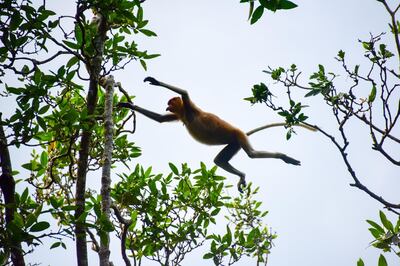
pixel 209 129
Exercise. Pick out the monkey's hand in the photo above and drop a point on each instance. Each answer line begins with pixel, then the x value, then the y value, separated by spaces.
pixel 241 184
pixel 152 81
pixel 289 160
pixel 126 105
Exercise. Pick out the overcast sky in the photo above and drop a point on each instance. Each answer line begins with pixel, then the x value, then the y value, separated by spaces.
pixel 210 49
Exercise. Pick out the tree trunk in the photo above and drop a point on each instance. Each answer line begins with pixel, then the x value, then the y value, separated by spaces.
pixel 104 252
pixel 94 69
pixel 7 185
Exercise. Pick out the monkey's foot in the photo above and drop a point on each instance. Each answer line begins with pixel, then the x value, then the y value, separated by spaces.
pixel 290 160
pixel 241 184
pixel 152 81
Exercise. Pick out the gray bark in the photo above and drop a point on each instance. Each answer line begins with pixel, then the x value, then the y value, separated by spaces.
pixel 94 68
pixel 104 252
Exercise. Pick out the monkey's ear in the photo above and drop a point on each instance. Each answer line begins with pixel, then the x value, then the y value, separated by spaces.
pixel 152 81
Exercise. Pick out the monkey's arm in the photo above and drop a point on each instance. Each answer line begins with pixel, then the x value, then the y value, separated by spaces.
pixel 182 92
pixel 152 115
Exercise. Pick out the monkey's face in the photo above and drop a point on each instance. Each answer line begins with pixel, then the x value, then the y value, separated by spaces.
pixel 175 105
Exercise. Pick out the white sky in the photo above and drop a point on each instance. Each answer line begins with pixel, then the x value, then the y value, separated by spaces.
pixel 210 49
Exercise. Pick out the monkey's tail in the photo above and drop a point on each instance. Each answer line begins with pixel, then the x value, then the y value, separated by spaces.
pixel 279 125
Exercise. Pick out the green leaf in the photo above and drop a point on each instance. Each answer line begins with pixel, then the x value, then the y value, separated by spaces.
pixel 372 94
pixel 376 226
pixel 31 218
pixel 78 35
pixel 13 90
pixel 147 172
pixel 139 15
pixel 153 187
pixel 54 202
pixel 69 208
pixel 18 220
pixel 134 215
pixel 27 166
pixel 38 210
pixel 257 14
pixel 269 4
pixel 250 237
pixel 375 233
pixel 386 223
pixel 143 63
pixel 321 69
pixel 40 226
pixel 148 33
pixel 215 211
pixel 288 134
pixel 250 99
pixel 151 56
pixel 44 109
pixel 55 245
pixel 341 54
pixel 174 168
pixel 397 228
pixel 16 20
pixel 14 173
pixel 228 236
pixel 44 158
pixel 382 261
pixel 251 9
pixel 71 45
pixel 53 24
pixel 72 61
pixel 367 45
pixel 37 76
pixel 285 4
pixel 41 123
pixel 24 195
pixel 208 256
pixel 360 262
pixel 313 93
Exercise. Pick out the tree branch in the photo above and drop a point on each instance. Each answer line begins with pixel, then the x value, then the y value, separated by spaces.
pixel 125 225
pixel 104 252
pixel 350 169
pixel 94 72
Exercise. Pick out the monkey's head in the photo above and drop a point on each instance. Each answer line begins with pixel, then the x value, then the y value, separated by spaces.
pixel 175 105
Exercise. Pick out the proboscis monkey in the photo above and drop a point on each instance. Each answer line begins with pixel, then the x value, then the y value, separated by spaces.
pixel 209 129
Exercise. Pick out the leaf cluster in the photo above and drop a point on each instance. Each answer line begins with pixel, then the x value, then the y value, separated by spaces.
pixel 171 215
pixel 246 235
pixel 255 13
pixel 386 237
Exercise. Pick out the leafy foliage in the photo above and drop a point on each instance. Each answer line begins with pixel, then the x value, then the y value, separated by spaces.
pixel 168 216
pixel 255 13
pixel 52 111
pixel 248 237
pixel 386 236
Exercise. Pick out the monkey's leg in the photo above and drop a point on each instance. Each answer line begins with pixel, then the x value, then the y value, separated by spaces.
pixel 222 160
pixel 245 144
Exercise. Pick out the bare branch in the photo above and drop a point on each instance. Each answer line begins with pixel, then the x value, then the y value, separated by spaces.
pixel 350 169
